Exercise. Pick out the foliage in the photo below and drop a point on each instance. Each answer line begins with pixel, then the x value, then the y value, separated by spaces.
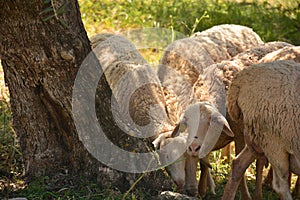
pixel 10 156
pixel 278 22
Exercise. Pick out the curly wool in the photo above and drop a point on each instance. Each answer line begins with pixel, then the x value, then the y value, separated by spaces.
pixel 223 42
pixel 267 98
pixel 134 84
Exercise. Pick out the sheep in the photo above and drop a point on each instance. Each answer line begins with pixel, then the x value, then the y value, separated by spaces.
pixel 177 75
pixel 265 97
pixel 138 103
pixel 179 68
pixel 221 74
pixel 184 163
pixel 121 64
pixel 141 99
pixel 185 59
pixel 225 41
pixel 286 53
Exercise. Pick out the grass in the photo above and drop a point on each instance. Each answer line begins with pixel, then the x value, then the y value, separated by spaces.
pixel 272 20
pixel 11 167
pixel 278 22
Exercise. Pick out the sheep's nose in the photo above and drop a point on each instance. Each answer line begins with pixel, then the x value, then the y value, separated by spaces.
pixel 193 149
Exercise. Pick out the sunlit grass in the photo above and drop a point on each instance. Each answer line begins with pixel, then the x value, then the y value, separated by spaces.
pixel 10 156
pixel 276 20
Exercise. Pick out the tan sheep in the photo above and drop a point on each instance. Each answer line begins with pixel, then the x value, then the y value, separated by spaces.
pixel 266 98
pixel 223 42
pixel 179 68
pixel 138 103
pixel 135 86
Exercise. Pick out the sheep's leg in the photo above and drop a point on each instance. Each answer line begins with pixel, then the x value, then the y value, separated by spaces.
pixel 211 183
pixel 260 162
pixel 239 166
pixel 269 178
pixel 239 146
pixel 281 174
pixel 202 186
pixel 190 175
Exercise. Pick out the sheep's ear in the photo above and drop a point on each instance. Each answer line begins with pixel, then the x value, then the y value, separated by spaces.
pixel 226 128
pixel 176 131
pixel 218 124
pixel 180 127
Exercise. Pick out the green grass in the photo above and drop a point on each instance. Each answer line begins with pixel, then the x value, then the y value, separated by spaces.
pixel 279 22
pixel 11 166
pixel 272 20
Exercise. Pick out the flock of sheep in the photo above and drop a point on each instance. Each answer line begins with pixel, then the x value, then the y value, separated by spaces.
pixel 220 85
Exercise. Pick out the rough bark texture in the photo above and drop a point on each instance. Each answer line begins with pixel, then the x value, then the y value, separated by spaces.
pixel 40 58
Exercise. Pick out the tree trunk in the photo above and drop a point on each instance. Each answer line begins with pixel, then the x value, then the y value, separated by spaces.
pixel 41 56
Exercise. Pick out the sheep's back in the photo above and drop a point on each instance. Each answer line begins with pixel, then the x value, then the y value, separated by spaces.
pixel 179 68
pixel 227 40
pixel 254 55
pixel 187 57
pixel 267 98
pixel 137 91
pixel 286 53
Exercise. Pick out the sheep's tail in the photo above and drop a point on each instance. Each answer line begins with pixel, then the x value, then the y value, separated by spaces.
pixel 232 101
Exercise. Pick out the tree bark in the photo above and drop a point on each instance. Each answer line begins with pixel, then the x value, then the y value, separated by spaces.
pixel 41 56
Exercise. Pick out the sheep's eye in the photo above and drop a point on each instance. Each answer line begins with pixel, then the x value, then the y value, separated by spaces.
pixel 196 137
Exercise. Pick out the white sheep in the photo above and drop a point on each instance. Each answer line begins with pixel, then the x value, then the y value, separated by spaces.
pixel 138 103
pixel 266 98
pixel 178 70
pixel 183 171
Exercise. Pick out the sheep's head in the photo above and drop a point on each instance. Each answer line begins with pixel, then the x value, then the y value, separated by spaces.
pixel 172 154
pixel 204 124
